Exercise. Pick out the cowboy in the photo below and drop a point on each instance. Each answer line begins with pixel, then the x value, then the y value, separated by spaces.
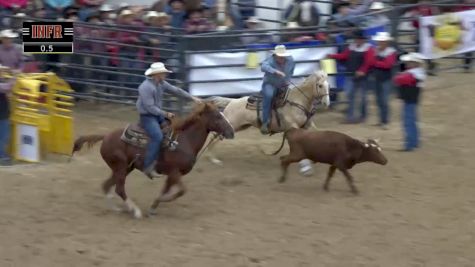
pixel 11 55
pixel 382 72
pixel 359 58
pixel 149 106
pixel 278 70
pixel 409 83
pixel 6 85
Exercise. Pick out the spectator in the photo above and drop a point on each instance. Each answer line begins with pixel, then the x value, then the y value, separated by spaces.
pixel 379 19
pixel 359 57
pixel 384 64
pixel 357 9
pixel 253 24
pixel 304 12
pixel 106 14
pixel 55 8
pixel 196 23
pixel 342 18
pixel 247 8
pixel 6 85
pixel 296 36
pixel 177 13
pixel 11 54
pixel 8 8
pixel 87 7
pixel 158 24
pixel 425 8
pixel 128 53
pixel 409 83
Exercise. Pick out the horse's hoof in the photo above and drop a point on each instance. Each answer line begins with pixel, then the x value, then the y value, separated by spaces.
pixel 137 214
pixel 325 188
pixel 152 212
pixel 282 179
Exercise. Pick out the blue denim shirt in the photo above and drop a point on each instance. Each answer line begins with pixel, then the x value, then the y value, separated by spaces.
pixel 270 67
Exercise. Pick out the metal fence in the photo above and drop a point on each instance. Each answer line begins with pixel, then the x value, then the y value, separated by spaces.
pixel 103 68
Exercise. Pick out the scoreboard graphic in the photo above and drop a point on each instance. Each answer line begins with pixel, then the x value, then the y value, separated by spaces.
pixel 48 37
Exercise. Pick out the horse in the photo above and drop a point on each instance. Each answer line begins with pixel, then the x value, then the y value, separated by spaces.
pixel 122 158
pixel 296 112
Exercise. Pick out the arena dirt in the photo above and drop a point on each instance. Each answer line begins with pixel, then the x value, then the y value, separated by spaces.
pixel 417 211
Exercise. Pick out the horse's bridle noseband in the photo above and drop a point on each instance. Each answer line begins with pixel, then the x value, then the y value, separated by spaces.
pixel 308 113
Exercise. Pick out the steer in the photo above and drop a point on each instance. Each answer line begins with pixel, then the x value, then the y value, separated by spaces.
pixel 339 150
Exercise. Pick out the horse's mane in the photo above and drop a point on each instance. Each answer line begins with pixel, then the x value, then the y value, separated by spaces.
pixel 314 78
pixel 179 124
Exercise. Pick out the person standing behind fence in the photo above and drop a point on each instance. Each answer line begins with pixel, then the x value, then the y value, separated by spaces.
pixel 6 85
pixel 359 57
pixel 127 53
pixel 11 54
pixel 409 84
pixel 384 64
pixel 304 12
pixel 177 12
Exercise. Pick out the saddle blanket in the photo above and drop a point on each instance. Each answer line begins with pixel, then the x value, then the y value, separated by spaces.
pixel 255 101
pixel 135 135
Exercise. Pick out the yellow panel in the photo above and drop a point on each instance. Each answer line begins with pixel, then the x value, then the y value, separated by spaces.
pixel 61 134
pixel 57 84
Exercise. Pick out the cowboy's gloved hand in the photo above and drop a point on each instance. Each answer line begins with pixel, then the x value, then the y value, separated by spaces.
pixel 280 73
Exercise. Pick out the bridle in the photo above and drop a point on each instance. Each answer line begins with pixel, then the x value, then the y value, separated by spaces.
pixel 308 113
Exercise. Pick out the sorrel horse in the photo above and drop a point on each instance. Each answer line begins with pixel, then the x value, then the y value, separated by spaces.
pixel 122 158
pixel 296 112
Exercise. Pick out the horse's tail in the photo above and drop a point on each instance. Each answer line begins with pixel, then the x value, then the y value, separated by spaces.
pixel 219 101
pixel 89 140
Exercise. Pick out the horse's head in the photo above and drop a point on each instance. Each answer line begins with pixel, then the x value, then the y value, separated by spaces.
pixel 321 87
pixel 216 122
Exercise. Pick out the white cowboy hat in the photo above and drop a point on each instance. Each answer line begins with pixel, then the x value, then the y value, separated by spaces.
pixel 20 15
pixel 126 12
pixel 222 28
pixel 157 67
pixel 149 15
pixel 413 57
pixel 123 4
pixel 281 51
pixel 106 8
pixel 377 6
pixel 382 36
pixel 8 33
pixel 292 25
pixel 254 20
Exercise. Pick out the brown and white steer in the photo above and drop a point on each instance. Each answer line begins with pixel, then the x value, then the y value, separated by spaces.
pixel 339 150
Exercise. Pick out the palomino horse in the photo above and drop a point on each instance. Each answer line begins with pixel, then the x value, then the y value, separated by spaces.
pixel 296 113
pixel 122 158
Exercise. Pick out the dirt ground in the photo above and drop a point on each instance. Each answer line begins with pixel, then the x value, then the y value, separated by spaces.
pixel 417 211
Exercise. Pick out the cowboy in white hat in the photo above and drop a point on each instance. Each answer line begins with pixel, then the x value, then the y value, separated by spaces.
pixel 6 84
pixel 409 84
pixel 11 55
pixel 383 66
pixel 149 106
pixel 379 18
pixel 278 70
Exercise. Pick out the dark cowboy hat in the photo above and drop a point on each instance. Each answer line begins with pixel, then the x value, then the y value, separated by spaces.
pixel 70 11
pixel 171 1
pixel 359 34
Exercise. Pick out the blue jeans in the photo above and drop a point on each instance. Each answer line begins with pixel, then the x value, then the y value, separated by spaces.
pixel 356 91
pixel 383 92
pixel 151 125
pixel 268 92
pixel 4 138
pixel 411 132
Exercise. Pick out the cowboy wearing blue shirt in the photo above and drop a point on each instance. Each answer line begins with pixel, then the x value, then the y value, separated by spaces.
pixel 149 106
pixel 278 70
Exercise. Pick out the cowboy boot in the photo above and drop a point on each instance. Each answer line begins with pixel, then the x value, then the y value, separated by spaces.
pixel 264 128
pixel 151 172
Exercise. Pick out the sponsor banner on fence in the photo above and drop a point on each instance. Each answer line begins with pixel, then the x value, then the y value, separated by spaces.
pixel 447 34
pixel 199 76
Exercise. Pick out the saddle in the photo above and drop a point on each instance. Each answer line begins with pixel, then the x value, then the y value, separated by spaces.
pixel 135 135
pixel 254 102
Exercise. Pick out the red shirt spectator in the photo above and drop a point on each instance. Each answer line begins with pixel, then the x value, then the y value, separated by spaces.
pixel 197 23
pixel 359 56
pixel 13 3
pixel 426 9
